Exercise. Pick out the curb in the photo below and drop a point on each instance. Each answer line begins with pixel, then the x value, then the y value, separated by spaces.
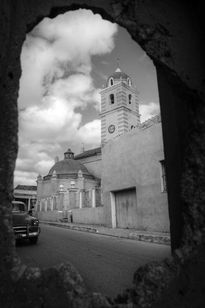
pixel 62 225
pixel 156 239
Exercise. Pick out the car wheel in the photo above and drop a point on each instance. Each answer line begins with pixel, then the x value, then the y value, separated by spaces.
pixel 33 240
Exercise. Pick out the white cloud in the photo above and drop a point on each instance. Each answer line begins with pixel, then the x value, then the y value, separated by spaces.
pixel 56 66
pixel 25 177
pixel 43 166
pixel 34 158
pixel 149 110
pixel 81 33
pixel 48 122
pixel 90 132
pixel 58 47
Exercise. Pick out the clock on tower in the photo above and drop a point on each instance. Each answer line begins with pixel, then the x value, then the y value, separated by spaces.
pixel 111 128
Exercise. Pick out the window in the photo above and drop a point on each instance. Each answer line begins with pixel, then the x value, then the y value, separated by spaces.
pixel 72 184
pixel 112 99
pixel 130 98
pixel 129 82
pixel 111 82
pixel 163 176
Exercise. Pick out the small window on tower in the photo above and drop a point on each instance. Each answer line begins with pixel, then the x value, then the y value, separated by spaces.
pixel 111 82
pixel 129 82
pixel 130 98
pixel 112 99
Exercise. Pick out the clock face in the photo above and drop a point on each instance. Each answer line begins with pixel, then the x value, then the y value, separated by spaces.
pixel 111 128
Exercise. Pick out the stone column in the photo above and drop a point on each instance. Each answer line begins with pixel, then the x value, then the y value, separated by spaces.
pixel 29 203
pixel 46 205
pixel 51 203
pixel 81 199
pixel 61 197
pixel 61 201
pixel 113 210
pixel 93 198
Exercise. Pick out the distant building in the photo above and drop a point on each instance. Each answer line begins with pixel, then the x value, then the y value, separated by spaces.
pixel 27 194
pixel 124 179
pixel 68 185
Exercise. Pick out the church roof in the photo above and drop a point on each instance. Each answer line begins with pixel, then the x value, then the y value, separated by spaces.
pixel 68 167
pixel 118 75
pixel 88 153
pixel 26 187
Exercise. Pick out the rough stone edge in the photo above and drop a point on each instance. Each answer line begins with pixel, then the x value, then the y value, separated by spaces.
pixel 127 1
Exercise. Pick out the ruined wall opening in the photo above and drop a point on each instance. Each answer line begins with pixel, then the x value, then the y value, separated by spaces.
pixel 66 62
pixel 174 87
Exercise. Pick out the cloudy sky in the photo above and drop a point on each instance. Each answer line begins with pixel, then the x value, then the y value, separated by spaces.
pixel 65 62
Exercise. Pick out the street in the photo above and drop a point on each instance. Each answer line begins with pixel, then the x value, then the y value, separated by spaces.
pixel 106 263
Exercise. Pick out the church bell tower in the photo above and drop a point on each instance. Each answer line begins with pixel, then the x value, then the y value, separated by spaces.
pixel 119 106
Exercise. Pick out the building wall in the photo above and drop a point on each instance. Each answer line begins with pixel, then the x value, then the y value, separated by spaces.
pixel 89 215
pixel 93 164
pixel 46 188
pixel 50 216
pixel 133 160
pixel 51 197
pixel 132 121
pixel 94 216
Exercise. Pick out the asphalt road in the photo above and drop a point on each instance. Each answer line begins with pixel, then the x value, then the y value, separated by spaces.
pixel 106 263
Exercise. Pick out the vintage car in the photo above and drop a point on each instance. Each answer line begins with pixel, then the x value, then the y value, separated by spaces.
pixel 25 226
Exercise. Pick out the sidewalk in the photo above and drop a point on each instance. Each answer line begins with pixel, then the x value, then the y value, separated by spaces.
pixel 152 237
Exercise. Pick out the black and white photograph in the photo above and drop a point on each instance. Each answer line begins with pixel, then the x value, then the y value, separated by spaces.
pixel 102 169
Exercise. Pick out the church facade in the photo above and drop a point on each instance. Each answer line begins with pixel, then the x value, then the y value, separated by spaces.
pixel 67 186
pixel 124 181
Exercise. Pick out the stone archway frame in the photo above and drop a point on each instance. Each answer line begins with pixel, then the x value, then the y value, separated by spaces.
pixel 164 30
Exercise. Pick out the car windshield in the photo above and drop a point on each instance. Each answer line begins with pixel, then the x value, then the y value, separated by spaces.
pixel 18 207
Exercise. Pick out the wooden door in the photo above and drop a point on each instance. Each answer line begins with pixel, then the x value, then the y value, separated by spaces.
pixel 126 208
